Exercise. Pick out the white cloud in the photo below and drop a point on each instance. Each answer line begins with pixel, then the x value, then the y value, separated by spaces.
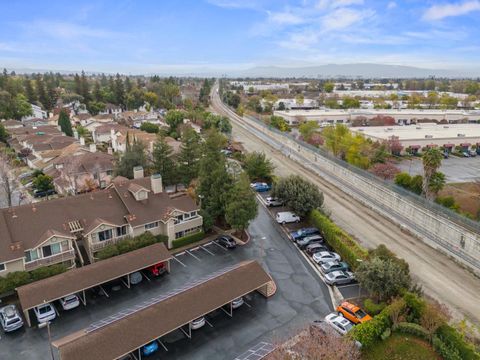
pixel 391 5
pixel 285 18
pixel 343 18
pixel 325 4
pixel 439 12
pixel 66 30
pixel 235 4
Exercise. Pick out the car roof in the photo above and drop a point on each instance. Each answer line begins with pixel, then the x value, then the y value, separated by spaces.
pixel 9 310
pixel 337 273
pixel 350 306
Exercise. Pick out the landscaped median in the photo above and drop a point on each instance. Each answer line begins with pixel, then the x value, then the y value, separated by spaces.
pixel 341 242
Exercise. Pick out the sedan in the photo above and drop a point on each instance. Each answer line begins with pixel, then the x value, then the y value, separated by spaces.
pixel 339 323
pixel 70 302
pixel 150 348
pixel 314 239
pixel 339 278
pixel 227 241
pixel 325 256
pixel 197 323
pixel 10 318
pixel 237 303
pixel 45 312
pixel 272 202
pixel 301 233
pixel 260 186
pixel 331 266
pixel 314 248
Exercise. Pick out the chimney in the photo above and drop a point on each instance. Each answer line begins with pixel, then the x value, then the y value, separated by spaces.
pixel 93 148
pixel 109 150
pixel 156 183
pixel 82 141
pixel 138 172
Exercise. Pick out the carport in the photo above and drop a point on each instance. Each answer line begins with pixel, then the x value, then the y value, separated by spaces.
pixel 448 147
pixel 76 281
pixel 131 329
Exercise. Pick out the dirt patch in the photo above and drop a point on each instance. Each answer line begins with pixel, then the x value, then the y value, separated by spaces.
pixel 466 195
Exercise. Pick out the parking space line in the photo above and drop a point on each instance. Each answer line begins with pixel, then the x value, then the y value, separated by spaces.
pixel 194 249
pixel 247 304
pixel 208 322
pixel 181 263
pixel 208 251
pixel 189 253
pixel 345 286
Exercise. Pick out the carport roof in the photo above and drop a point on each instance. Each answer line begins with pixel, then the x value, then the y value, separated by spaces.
pixel 128 333
pixel 88 276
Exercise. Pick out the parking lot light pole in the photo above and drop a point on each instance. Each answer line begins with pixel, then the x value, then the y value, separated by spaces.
pixel 359 288
pixel 47 325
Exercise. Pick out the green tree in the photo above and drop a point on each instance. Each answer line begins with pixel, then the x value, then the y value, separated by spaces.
pixel 94 107
pixel 189 157
pixel 298 194
pixel 279 123
pixel 383 279
pixel 118 90
pixel 350 103
pixel 436 184
pixel 334 137
pixel 241 205
pixel 258 167
pixel 150 128
pixel 64 122
pixel 432 159
pixel 30 91
pixel 173 119
pixel 163 163
pixel 307 129
pixel 299 99
pixel 3 133
pixel 328 87
pixel 134 156
pixel 41 91
pixel 214 180
pixel 43 183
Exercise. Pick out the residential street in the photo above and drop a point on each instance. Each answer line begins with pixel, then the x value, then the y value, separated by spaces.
pixel 439 276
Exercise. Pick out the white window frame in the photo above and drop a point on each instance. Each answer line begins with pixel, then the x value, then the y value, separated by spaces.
pixel 152 225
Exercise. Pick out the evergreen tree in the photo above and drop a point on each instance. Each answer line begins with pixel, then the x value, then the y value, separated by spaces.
pixel 52 96
pixel 97 92
pixel 84 87
pixel 163 163
pixel 128 85
pixel 64 122
pixel 119 91
pixel 134 156
pixel 30 91
pixel 41 91
pixel 241 206
pixel 78 84
pixel 189 157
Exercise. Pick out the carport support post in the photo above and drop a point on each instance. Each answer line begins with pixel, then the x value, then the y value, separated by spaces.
pixel 84 298
pixel 26 313
pixel 139 354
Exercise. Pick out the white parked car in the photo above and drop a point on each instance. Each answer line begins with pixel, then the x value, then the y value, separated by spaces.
pixel 339 323
pixel 70 302
pixel 285 217
pixel 325 256
pixel 45 312
pixel 272 201
pixel 197 323
pixel 237 303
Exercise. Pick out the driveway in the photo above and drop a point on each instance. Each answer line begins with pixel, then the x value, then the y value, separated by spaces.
pixel 300 298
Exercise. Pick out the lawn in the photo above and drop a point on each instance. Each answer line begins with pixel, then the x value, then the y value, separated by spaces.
pixel 401 347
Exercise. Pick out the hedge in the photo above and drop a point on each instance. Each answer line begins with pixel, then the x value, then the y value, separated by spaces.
pixel 412 329
pixel 18 278
pixel 339 240
pixel 454 340
pixel 130 244
pixel 189 239
pixel 446 352
pixel 368 333
pixel 373 308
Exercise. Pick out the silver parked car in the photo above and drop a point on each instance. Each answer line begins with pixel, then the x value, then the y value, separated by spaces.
pixel 339 278
pixel 303 243
pixel 325 256
pixel 10 318
pixel 272 201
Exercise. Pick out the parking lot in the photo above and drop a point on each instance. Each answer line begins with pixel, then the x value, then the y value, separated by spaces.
pixel 300 298
pixel 456 169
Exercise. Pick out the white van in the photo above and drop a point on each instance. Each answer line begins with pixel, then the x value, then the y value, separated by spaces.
pixel 287 217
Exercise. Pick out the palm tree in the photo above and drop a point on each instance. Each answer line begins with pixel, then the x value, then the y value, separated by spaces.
pixel 432 159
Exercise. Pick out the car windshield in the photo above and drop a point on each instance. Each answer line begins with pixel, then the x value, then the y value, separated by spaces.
pixel 360 314
pixel 70 299
pixel 13 321
pixel 44 309
pixel 348 326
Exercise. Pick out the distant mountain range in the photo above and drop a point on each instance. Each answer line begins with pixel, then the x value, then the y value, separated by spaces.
pixel 354 70
pixel 365 70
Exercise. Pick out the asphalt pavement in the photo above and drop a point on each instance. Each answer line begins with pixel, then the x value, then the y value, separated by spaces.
pixel 300 298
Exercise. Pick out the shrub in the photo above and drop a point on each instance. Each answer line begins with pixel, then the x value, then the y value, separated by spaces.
pixel 386 334
pixel 372 308
pixel 189 239
pixel 146 239
pixel 413 329
pixel 108 252
pixel 45 272
pixel 454 340
pixel 369 332
pixel 161 239
pixel 446 352
pixel 415 307
pixel 126 245
pixel 340 241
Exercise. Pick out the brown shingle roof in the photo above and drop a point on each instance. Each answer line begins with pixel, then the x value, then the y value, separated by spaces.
pixel 88 276
pixel 133 331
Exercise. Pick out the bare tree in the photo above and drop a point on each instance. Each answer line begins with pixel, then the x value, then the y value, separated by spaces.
pixel 317 344
pixel 434 315
pixel 7 183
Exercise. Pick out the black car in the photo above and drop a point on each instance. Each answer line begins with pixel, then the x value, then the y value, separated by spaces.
pixel 315 247
pixel 227 241
pixel 43 193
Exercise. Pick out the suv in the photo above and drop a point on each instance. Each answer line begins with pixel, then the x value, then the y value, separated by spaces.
pixel 45 312
pixel 227 241
pixel 314 239
pixel 271 201
pixel 353 313
pixel 303 232
pixel 10 318
pixel 157 269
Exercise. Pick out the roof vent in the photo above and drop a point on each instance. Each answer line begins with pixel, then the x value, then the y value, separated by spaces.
pixel 460 135
pixel 428 136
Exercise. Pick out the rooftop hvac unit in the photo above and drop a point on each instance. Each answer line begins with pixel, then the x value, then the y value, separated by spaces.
pixel 418 128
pixel 460 135
pixel 428 136
pixel 446 127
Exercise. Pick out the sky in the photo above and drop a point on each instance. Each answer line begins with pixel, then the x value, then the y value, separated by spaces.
pixel 181 36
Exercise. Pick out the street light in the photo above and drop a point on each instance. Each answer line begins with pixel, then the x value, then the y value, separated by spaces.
pixel 201 197
pixel 47 325
pixel 359 288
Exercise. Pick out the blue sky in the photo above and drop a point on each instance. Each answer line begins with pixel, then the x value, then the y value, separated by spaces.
pixel 147 36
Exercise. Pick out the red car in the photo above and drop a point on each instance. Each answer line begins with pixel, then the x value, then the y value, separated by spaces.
pixel 157 269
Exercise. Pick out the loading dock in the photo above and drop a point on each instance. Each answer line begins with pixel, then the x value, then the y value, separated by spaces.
pixel 128 331
pixel 76 281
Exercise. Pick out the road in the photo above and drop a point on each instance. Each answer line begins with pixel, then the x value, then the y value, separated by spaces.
pixel 440 277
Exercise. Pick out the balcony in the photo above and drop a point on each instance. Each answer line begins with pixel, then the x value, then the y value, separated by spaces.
pixel 96 246
pixel 50 260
